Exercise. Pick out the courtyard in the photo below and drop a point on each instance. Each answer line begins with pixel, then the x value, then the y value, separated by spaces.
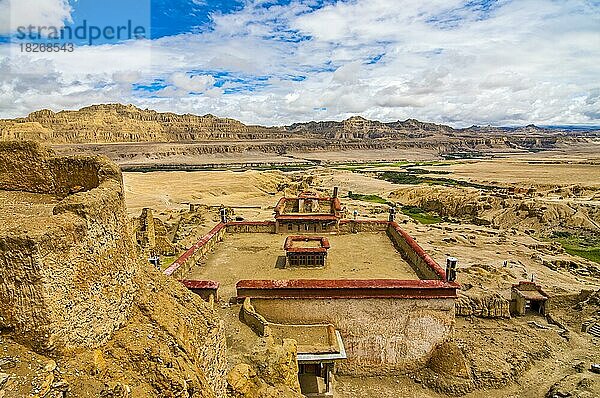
pixel 365 255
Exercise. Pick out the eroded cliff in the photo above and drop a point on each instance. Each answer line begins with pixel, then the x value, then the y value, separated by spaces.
pixel 80 314
pixel 126 123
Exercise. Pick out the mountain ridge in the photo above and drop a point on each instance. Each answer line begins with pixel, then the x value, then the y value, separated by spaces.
pixel 108 123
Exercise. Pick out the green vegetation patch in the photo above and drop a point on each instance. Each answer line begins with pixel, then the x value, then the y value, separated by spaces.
pixel 592 254
pixel 579 245
pixel 358 166
pixel 283 168
pixel 415 212
pixel 464 155
pixel 420 215
pixel 417 170
pixel 369 198
pixel 414 179
pixel 167 261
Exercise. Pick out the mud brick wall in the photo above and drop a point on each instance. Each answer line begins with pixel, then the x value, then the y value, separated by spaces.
pixel 354 226
pixel 424 266
pixel 483 306
pixel 182 266
pixel 251 227
pixel 381 336
pixel 253 319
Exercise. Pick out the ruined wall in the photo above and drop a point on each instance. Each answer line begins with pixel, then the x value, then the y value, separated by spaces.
pixel 182 266
pixel 146 234
pixel 65 278
pixel 354 226
pixel 267 227
pixel 381 336
pixel 15 170
pixel 420 261
pixel 30 167
pixel 151 235
pixel 490 305
pixel 250 317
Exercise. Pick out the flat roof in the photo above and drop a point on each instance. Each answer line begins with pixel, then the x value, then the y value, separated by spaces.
pixel 306 217
pixel 306 244
pixel 240 256
pixel 532 295
pixel 192 284
pixel 316 358
pixel 339 289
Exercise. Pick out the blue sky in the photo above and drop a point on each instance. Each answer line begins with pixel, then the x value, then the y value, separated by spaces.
pixel 277 62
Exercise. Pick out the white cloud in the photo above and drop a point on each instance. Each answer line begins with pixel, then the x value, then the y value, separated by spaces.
pixel 127 76
pixel 198 83
pixel 525 61
pixel 348 73
pixel 15 13
pixel 214 92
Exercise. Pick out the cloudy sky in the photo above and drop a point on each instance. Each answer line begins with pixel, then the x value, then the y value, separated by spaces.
pixel 276 62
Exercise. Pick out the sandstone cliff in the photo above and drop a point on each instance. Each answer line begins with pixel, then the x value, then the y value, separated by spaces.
pixel 126 123
pixel 358 127
pixel 109 123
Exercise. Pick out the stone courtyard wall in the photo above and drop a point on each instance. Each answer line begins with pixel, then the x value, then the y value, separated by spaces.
pixel 260 227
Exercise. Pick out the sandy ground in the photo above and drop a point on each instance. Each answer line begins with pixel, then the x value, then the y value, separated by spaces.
pixel 482 251
pixel 355 182
pixel 524 172
pixel 366 255
pixel 174 190
pixel 559 167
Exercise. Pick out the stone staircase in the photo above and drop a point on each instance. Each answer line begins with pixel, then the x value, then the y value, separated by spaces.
pixel 594 330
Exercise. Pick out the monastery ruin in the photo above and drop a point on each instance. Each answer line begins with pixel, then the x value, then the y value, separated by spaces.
pixel 322 297
pixel 297 277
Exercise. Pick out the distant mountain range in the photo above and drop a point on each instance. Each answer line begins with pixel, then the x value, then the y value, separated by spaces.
pixel 109 123
pixel 571 127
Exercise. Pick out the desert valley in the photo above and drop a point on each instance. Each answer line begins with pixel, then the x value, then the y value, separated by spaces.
pixel 168 251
